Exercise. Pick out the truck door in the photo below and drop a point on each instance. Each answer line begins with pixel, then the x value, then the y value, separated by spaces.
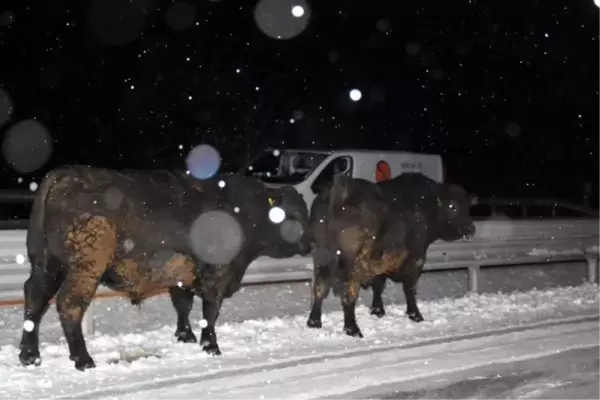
pixel 339 165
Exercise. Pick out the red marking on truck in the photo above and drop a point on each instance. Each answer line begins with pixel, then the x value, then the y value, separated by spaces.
pixel 383 171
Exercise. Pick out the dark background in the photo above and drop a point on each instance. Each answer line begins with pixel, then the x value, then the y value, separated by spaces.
pixel 505 91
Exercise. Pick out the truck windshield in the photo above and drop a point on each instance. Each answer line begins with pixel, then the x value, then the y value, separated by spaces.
pixel 284 166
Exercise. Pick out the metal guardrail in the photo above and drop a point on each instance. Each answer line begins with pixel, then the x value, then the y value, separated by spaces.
pixel 14 224
pixel 16 195
pixel 551 207
pixel 496 244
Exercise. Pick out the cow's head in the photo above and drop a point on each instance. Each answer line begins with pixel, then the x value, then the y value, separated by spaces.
pixel 454 206
pixel 292 235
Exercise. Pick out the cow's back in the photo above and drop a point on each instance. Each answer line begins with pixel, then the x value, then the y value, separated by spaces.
pixel 151 209
pixel 356 214
pixel 410 189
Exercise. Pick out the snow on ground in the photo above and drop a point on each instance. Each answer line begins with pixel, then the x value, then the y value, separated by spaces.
pixel 276 333
pixel 369 371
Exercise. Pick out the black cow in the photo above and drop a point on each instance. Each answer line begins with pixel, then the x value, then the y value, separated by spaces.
pixel 138 232
pixel 367 232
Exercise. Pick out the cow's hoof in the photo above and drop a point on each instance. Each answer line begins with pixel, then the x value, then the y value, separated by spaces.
pixel 84 363
pixel 415 316
pixel 30 357
pixel 212 349
pixel 353 331
pixel 186 337
pixel 314 323
pixel 378 311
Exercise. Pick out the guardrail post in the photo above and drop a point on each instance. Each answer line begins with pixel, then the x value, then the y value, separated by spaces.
pixel 592 269
pixel 474 278
pixel 87 323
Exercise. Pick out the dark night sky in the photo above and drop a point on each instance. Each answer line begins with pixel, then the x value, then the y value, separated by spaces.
pixel 505 91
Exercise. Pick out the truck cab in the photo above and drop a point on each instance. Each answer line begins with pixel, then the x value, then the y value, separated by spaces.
pixel 310 171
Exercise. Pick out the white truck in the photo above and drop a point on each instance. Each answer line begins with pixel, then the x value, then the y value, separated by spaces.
pixel 311 170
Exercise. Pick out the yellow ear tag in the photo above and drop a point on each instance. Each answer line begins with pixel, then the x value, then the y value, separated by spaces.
pixel 271 201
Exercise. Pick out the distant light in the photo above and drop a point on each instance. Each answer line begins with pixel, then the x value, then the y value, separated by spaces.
pixel 276 215
pixel 276 153
pixel 221 184
pixel 33 186
pixel 355 95
pixel 297 11
pixel 236 210
pixel 292 120
pixel 20 259
pixel 203 323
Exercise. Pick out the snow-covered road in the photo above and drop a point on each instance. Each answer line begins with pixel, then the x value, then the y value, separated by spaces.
pixel 483 341
pixel 371 370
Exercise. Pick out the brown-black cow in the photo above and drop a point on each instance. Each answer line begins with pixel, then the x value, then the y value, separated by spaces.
pixel 356 240
pixel 405 215
pixel 142 231
pixel 431 211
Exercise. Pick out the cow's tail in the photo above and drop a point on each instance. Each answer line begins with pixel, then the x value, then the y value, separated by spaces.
pixel 339 194
pixel 338 197
pixel 36 237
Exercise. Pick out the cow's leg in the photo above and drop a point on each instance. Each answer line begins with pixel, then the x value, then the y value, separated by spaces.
pixel 72 301
pixel 91 245
pixel 320 290
pixel 378 286
pixel 211 306
pixel 183 300
pixel 409 284
pixel 349 297
pixel 39 289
